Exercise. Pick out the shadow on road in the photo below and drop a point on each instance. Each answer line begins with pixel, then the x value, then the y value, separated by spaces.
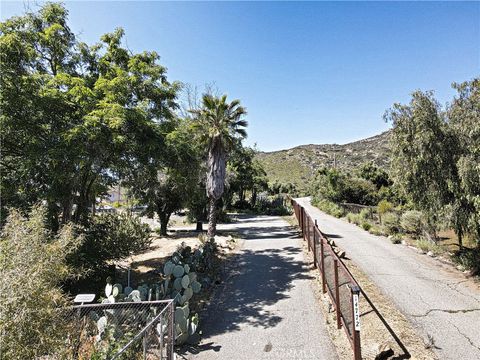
pixel 258 279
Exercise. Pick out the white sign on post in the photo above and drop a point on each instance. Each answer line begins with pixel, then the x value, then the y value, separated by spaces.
pixel 356 313
pixel 84 298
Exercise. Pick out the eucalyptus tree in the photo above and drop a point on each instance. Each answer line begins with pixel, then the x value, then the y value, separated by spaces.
pixel 422 155
pixel 435 156
pixel 74 116
pixel 221 126
pixel 464 121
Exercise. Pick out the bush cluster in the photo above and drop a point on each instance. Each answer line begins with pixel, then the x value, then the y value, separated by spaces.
pixel 33 265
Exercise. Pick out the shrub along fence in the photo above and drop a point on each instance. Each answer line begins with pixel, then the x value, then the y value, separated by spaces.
pixel 340 284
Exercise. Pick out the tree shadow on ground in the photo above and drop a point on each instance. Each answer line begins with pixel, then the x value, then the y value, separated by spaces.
pixel 258 280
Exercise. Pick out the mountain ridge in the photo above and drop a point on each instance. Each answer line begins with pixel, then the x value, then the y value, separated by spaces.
pixel 298 165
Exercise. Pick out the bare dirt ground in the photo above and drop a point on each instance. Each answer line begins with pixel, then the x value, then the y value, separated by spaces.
pixel 145 266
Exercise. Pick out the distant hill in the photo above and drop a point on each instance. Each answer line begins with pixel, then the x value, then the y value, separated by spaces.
pixel 298 165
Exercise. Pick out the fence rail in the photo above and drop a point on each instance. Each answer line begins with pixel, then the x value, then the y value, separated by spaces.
pixel 336 279
pixel 123 330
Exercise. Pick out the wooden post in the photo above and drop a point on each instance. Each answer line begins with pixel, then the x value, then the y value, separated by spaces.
pixel 357 349
pixel 308 233
pixel 337 294
pixel 322 265
pixel 315 244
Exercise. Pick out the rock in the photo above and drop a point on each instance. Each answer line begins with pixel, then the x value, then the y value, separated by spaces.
pixel 431 254
pixel 404 242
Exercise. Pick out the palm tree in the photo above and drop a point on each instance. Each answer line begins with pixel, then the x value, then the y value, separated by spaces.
pixel 222 126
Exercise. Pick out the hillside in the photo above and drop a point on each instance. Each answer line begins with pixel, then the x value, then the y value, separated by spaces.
pixel 298 165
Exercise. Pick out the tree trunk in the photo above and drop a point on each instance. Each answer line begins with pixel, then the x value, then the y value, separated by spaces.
pixel 253 200
pixel 212 218
pixel 164 217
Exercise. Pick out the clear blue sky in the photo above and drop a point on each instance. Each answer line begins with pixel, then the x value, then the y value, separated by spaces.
pixel 308 72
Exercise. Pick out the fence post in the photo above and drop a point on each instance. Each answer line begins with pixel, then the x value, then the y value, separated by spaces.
pixel 315 244
pixel 337 294
pixel 171 332
pixel 357 349
pixel 303 222
pixel 308 233
pixel 322 265
pixel 145 345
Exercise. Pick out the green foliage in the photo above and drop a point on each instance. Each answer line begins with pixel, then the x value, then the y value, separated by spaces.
pixel 166 183
pixel 366 214
pixel 383 207
pixel 436 156
pixel 366 226
pixel 336 186
pixel 375 230
pixel 33 265
pixel 330 208
pixel 108 237
pixel 428 245
pixel 413 222
pixel 354 218
pixel 391 223
pixel 469 259
pixel 95 108
pixel 374 174
pixel 396 239
pixel 244 174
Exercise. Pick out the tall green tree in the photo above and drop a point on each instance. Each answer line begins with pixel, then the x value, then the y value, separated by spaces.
pixel 167 183
pixel 430 156
pixel 246 175
pixel 221 126
pixel 74 116
pixel 464 121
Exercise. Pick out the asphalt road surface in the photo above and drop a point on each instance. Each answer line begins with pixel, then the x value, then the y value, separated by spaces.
pixel 267 308
pixel 441 303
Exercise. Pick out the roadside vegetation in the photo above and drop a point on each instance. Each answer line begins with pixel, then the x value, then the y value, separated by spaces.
pixel 429 196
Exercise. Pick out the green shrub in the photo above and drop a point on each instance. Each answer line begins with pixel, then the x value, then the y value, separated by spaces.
pixel 391 223
pixel 330 208
pixel 33 265
pixel 375 230
pixel 396 239
pixel 366 214
pixel 469 259
pixel 427 245
pixel 384 207
pixel 366 226
pixel 108 237
pixel 413 222
pixel 351 217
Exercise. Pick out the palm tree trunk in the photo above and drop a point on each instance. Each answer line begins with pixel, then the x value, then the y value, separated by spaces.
pixel 212 218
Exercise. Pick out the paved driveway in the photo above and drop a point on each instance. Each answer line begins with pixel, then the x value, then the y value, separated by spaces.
pixel 267 310
pixel 439 301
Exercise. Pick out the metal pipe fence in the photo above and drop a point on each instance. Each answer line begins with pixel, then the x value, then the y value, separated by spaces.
pixel 124 330
pixel 337 281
